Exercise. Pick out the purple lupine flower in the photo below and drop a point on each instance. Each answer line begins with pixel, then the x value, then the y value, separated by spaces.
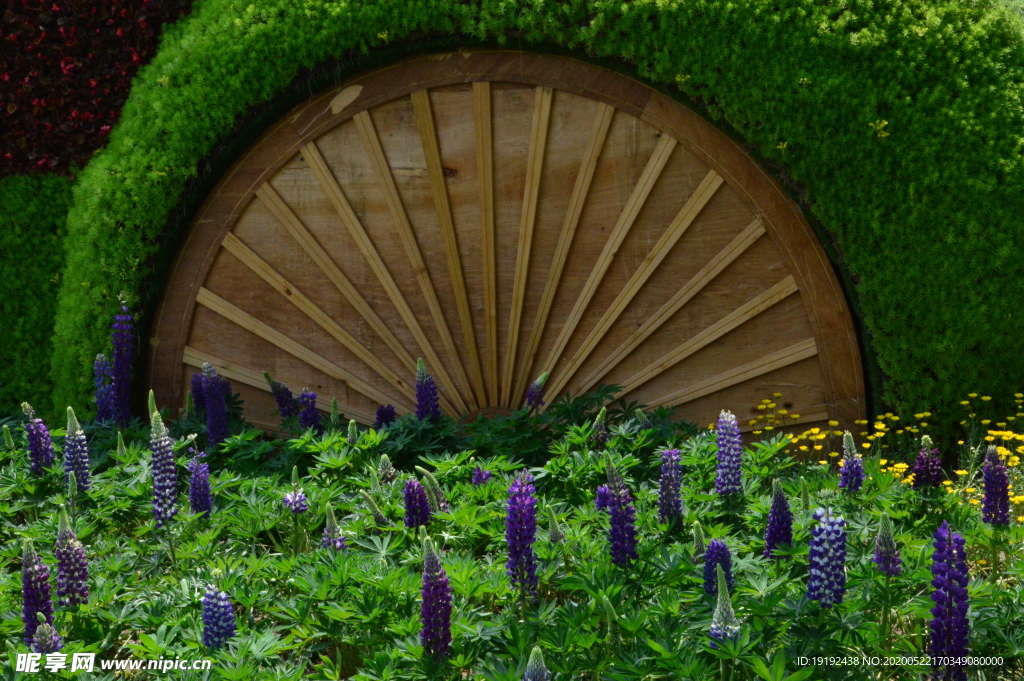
pixel 622 532
pixel 996 509
pixel 123 337
pixel 101 378
pixel 535 668
pixel 40 446
pixel 72 565
pixel 480 476
pixel 35 589
pixel 535 393
pixel 200 497
pixel 717 554
pixel 216 406
pixel 333 538
pixel 669 486
pixel 296 501
pixel 603 498
pixel 521 532
pixel 198 394
pixel 385 416
pixel 724 625
pixel 417 508
pixel 218 619
pixel 309 417
pixel 426 394
pixel 949 624
pixel 46 639
pixel 851 475
pixel 76 454
pixel 436 608
pixel 887 554
pixel 600 435
pixel 827 582
pixel 730 452
pixel 927 469
pixel 780 522
pixel 286 404
pixel 165 473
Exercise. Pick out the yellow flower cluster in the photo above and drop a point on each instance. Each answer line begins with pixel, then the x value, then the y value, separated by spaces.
pixel 770 416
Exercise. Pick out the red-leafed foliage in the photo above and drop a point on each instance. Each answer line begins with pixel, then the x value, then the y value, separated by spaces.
pixel 65 70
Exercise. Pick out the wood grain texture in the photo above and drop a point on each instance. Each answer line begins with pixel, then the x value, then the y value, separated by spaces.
pixel 485 171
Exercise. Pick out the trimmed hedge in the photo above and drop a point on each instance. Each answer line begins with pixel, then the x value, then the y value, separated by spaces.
pixel 33 209
pixel 899 123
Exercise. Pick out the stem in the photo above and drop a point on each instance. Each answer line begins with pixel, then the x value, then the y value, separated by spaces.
pixel 170 545
pixel 885 616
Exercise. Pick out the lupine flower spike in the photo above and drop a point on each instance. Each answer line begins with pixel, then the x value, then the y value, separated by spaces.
pixel 724 625
pixel 805 494
pixel 699 541
pixel 46 639
pixel 887 554
pixel 555 533
pixel 730 453
pixel 417 508
pixel 949 625
pixel 35 589
pixel 535 669
pixel 436 608
pixel 385 416
pixel 426 394
pixel 76 454
pixel 214 397
pixel 40 446
pixel 333 538
pixel 72 565
pixel 218 619
pixel 535 393
pixel 780 522
pixel 123 337
pixel 352 436
pixel 717 554
pixel 196 391
pixel 102 376
pixel 385 471
pixel 996 509
pixel 480 476
pixel 199 494
pixel 622 532
pixel 827 583
pixel 309 417
pixel 296 501
pixel 165 475
pixel 435 495
pixel 8 439
pixel 851 477
pixel 286 404
pixel 927 467
pixel 669 486
pixel 600 435
pixel 520 534
pixel 603 498
pixel 379 519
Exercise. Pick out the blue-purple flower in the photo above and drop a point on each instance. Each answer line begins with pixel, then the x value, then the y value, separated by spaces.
pixel 927 467
pixel 827 583
pixel 622 531
pixel 215 393
pixel 385 416
pixel 717 554
pixel 40 445
pixel 480 476
pixel 296 501
pixel 200 496
pixel 436 606
pixel 286 403
pixel 35 589
pixel 521 532
pixel 724 625
pixel 730 453
pixel 887 554
pixel 72 565
pixel 949 625
pixel 996 508
pixel 333 538
pixel 165 472
pixel 426 394
pixel 603 498
pixel 309 417
pixel 196 388
pixel 123 337
pixel 218 619
pixel 76 454
pixel 102 375
pixel 600 435
pixel 535 393
pixel 851 476
pixel 417 508
pixel 780 522
pixel 669 486
pixel 46 639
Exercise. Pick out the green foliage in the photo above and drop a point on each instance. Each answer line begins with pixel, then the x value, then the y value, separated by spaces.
pixel 33 209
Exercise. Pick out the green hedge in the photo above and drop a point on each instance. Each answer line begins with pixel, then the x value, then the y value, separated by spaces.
pixel 899 122
pixel 33 209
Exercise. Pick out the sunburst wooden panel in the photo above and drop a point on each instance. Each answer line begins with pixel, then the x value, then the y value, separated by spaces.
pixel 503 214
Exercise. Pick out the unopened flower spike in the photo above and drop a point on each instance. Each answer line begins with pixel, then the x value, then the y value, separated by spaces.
pixel 122 451
pixel 887 554
pixel 378 516
pixel 332 538
pixel 555 533
pixel 8 440
pixel 724 625
pixel 385 471
pixel 699 540
pixel 435 495
pixel 352 437
pixel 534 394
pixel 535 669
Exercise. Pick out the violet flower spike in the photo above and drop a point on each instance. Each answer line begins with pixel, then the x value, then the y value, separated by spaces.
pixel 535 393
pixel 218 619
pixel 286 404
pixel 72 565
pixel 730 453
pixel 417 508
pixel 436 607
pixel 200 496
pixel 123 339
pixel 669 486
pixel 480 476
pixel 198 394
pixel 827 583
pixel 385 416
pixel 165 473
pixel 333 538
pixel 887 554
pixel 996 508
pixel 35 589
pixel 76 454
pixel 780 522
pixel 717 554
pixel 927 469
pixel 102 376
pixel 309 417
pixel 46 639
pixel 949 625
pixel 426 394
pixel 296 501
pixel 603 498
pixel 216 406
pixel 40 445
pixel 622 531
pixel 521 533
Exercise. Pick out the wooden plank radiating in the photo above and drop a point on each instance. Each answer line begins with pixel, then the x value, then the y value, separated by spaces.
pixel 722 259
pixel 598 134
pixel 371 144
pixel 439 190
pixel 636 200
pixel 485 179
pixel 531 190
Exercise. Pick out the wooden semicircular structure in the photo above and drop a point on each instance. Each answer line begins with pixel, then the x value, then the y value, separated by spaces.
pixel 501 214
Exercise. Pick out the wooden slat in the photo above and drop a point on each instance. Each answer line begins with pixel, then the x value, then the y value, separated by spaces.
pixel 485 178
pixel 643 188
pixel 534 167
pixel 215 303
pixel 598 134
pixel 255 379
pixel 723 259
pixel 371 144
pixel 745 312
pixel 358 233
pixel 687 214
pixel 776 360
pixel 287 289
pixel 439 190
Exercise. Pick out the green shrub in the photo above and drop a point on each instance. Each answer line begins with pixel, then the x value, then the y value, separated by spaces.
pixel 899 124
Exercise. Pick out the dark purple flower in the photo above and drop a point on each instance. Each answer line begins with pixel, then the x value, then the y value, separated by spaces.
pixel 927 469
pixel 198 394
pixel 40 446
pixel 309 417
pixel 200 496
pixel 599 436
pixel 535 393
pixel 123 337
pixel 385 416
pixel 996 509
pixel 851 476
pixel 333 538
pixel 521 532
pixel 827 582
pixel 165 473
pixel 535 668
pixel 480 476
pixel 35 589
pixel 102 374
pixel 730 452
pixel 76 454
pixel 887 554
pixel 296 501
pixel 214 399
pixel 780 522
pixel 46 639
pixel 218 619
pixel 72 565
pixel 417 508
pixel 286 404
pixel 603 498
pixel 717 554
pixel 949 626
pixel 669 486
pixel 724 625
pixel 426 394
pixel 622 532
pixel 436 608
